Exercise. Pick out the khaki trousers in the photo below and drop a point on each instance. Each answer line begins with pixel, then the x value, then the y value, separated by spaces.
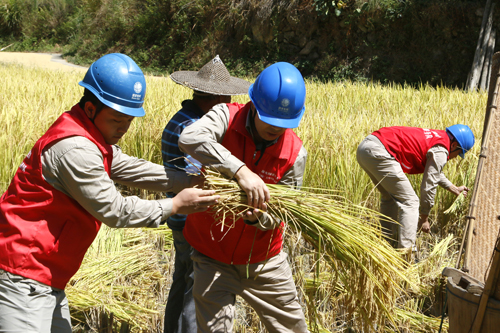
pixel 27 306
pixel 398 198
pixel 269 289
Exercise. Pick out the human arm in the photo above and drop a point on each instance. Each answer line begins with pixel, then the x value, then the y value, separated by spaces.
pixel 202 140
pixel 433 176
pixel 75 167
pixel 137 172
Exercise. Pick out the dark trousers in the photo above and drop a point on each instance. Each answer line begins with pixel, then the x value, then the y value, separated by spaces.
pixel 180 312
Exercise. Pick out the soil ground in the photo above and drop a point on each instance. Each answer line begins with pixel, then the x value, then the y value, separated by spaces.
pixel 43 60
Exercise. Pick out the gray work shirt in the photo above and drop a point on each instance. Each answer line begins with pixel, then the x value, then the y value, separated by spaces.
pixel 437 157
pixel 203 138
pixel 75 167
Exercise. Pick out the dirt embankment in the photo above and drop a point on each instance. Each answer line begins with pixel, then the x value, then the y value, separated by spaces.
pixel 43 60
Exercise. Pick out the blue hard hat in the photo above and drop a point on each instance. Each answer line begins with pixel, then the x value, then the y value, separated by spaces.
pixel 464 136
pixel 117 81
pixel 279 94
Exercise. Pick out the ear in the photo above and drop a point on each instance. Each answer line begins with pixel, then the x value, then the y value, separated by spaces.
pixel 454 145
pixel 89 109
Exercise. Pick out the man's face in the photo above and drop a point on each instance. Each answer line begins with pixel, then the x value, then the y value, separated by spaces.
pixel 112 124
pixel 265 131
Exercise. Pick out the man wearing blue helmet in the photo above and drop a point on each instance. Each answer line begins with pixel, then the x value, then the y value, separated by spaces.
pixel 390 152
pixel 64 189
pixel 253 143
pixel 211 85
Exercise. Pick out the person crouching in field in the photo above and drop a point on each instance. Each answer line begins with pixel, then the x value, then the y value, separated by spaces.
pixel 211 85
pixel 64 189
pixel 390 152
pixel 253 143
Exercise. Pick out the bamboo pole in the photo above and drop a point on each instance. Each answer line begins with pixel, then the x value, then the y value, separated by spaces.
pixel 477 64
pixel 488 288
pixel 492 107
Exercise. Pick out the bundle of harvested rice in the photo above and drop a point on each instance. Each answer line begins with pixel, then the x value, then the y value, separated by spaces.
pixel 348 237
pixel 121 275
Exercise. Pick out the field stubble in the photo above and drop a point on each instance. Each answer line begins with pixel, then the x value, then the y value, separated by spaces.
pixel 128 272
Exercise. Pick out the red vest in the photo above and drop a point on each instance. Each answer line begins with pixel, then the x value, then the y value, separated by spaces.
pixel 44 234
pixel 244 244
pixel 409 145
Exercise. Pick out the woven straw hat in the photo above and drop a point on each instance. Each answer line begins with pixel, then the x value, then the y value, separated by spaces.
pixel 213 78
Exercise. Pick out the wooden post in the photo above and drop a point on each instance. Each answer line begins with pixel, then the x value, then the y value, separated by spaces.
pixel 493 40
pixel 488 289
pixel 484 33
pixel 485 74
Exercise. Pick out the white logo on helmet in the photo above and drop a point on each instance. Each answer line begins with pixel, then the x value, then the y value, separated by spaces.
pixel 137 87
pixel 285 102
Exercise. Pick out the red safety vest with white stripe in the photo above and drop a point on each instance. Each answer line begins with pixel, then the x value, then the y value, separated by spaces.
pixel 44 233
pixel 242 243
pixel 409 145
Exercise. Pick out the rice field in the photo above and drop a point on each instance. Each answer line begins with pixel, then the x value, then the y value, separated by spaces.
pixel 128 272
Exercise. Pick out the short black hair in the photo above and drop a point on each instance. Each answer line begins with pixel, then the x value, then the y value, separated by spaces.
pixel 88 96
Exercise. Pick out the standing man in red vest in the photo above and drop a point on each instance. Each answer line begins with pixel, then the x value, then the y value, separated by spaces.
pixel 211 85
pixel 64 189
pixel 253 143
pixel 387 154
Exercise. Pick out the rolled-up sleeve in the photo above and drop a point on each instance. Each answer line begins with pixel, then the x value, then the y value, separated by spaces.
pixel 75 167
pixel 433 176
pixel 202 141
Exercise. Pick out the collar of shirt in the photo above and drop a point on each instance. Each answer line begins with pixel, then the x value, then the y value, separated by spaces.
pixel 190 105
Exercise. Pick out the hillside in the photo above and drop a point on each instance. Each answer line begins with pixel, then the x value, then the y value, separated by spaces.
pixel 410 41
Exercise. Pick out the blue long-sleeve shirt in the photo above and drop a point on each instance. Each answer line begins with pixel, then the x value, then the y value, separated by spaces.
pixel 172 156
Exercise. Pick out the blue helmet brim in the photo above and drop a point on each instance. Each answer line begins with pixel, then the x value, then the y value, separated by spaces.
pixel 281 122
pixel 130 111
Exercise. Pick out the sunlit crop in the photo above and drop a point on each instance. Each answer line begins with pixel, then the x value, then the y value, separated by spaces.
pixel 128 272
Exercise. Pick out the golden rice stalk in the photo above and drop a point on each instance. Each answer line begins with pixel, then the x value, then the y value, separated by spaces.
pixel 412 321
pixel 348 236
pixel 456 205
pixel 121 274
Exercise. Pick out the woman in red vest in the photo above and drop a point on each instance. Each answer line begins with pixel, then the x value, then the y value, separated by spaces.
pixel 253 143
pixel 387 154
pixel 64 189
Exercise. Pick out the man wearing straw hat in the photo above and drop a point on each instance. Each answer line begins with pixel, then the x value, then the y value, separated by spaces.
pixel 255 144
pixel 390 152
pixel 211 85
pixel 64 190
